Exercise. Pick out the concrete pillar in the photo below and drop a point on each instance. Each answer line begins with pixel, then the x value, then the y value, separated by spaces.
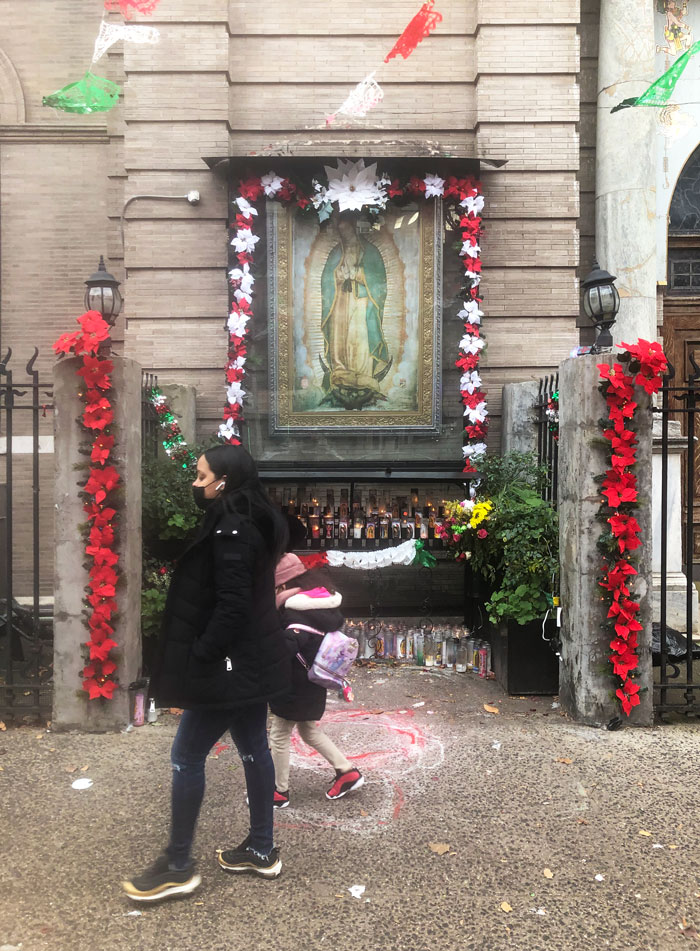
pixel 182 400
pixel 72 708
pixel 519 429
pixel 676 582
pixel 587 685
pixel 625 164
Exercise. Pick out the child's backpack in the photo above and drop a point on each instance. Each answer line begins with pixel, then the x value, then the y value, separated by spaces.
pixel 332 662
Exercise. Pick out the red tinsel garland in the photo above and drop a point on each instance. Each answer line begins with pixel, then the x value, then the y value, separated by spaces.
pixel 103 480
pixel 620 491
pixel 421 26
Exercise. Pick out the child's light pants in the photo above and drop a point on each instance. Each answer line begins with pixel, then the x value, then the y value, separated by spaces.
pixel 312 735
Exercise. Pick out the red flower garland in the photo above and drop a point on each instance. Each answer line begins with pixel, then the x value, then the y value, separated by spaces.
pixel 619 486
pixel 466 192
pixel 103 480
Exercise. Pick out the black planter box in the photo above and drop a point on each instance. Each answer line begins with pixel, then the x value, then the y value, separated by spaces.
pixel 522 661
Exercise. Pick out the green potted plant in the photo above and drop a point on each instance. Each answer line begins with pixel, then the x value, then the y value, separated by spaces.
pixel 169 519
pixel 509 535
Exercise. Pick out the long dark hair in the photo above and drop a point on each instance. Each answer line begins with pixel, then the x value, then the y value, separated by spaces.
pixel 245 494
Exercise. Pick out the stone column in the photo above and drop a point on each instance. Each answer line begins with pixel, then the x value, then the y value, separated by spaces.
pixel 518 425
pixel 625 201
pixel 676 581
pixel 587 685
pixel 72 708
pixel 182 400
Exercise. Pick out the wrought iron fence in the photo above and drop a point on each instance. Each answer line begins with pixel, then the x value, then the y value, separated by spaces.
pixel 674 651
pixel 547 422
pixel 150 425
pixel 26 645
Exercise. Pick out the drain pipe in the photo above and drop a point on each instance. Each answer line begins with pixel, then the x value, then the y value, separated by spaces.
pixel 192 197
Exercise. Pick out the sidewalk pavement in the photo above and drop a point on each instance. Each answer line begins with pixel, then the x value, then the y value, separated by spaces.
pixel 476 829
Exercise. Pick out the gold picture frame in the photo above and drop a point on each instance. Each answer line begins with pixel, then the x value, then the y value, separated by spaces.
pixel 355 307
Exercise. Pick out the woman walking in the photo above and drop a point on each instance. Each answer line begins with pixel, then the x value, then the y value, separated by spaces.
pixel 222 656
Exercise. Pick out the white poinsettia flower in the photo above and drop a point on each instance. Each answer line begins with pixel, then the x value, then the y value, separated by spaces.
pixel 245 207
pixel 471 344
pixel 158 400
pixel 474 449
pixel 271 184
pixel 235 393
pixel 470 382
pixel 473 250
pixel 243 277
pixel 238 363
pixel 241 295
pixel 471 312
pixel 474 277
pixel 383 180
pixel 478 413
pixel 434 186
pixel 245 240
pixel 237 323
pixel 473 205
pixel 229 429
pixel 319 198
pixel 353 186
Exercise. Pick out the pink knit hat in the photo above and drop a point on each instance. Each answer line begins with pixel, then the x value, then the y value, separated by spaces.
pixel 288 567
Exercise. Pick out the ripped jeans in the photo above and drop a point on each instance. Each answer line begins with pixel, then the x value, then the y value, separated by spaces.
pixel 198 732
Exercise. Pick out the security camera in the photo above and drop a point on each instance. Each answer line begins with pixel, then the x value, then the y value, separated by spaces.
pixel 192 197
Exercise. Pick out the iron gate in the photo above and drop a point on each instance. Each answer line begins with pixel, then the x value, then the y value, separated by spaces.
pixel 150 424
pixel 674 650
pixel 547 423
pixel 26 629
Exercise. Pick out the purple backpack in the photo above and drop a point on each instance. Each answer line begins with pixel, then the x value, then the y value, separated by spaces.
pixel 333 659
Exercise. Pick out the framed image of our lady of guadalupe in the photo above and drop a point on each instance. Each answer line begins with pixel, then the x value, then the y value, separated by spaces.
pixel 355 315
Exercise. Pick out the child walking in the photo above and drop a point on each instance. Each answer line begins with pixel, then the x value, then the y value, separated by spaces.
pixel 309 609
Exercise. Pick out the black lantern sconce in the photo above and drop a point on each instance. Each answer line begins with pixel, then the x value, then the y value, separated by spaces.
pixel 601 302
pixel 102 294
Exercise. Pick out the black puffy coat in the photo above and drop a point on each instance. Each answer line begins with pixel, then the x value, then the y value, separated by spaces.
pixel 220 613
pixel 305 700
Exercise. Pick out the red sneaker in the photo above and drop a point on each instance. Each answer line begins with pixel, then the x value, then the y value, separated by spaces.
pixel 345 783
pixel 280 800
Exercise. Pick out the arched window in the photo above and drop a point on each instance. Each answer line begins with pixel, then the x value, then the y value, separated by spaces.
pixel 684 231
pixel 12 110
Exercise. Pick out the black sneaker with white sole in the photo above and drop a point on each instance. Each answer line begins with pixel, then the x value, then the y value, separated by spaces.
pixel 161 880
pixel 244 859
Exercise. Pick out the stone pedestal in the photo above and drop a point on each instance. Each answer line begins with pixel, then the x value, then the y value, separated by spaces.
pixel 587 684
pixel 72 708
pixel 519 429
pixel 676 581
pixel 625 165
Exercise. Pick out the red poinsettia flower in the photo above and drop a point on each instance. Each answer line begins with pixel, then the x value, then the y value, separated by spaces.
pixel 101 516
pixel 472 264
pixel 619 382
pixel 101 448
pixel 102 556
pixel 468 467
pixel 103 574
pixel 95 329
pixel 468 361
pixel 67 343
pixel 477 430
pixel 101 482
pixel 98 414
pixel 101 651
pixel 251 189
pixel 99 688
pixel 620 487
pixel 105 606
pixel 303 201
pixel 651 357
pixel 395 190
pixel 416 186
pixel 629 695
pixel 288 191
pixel 103 590
pixel 99 630
pixel 95 371
pixel 625 529
pixel 624 663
